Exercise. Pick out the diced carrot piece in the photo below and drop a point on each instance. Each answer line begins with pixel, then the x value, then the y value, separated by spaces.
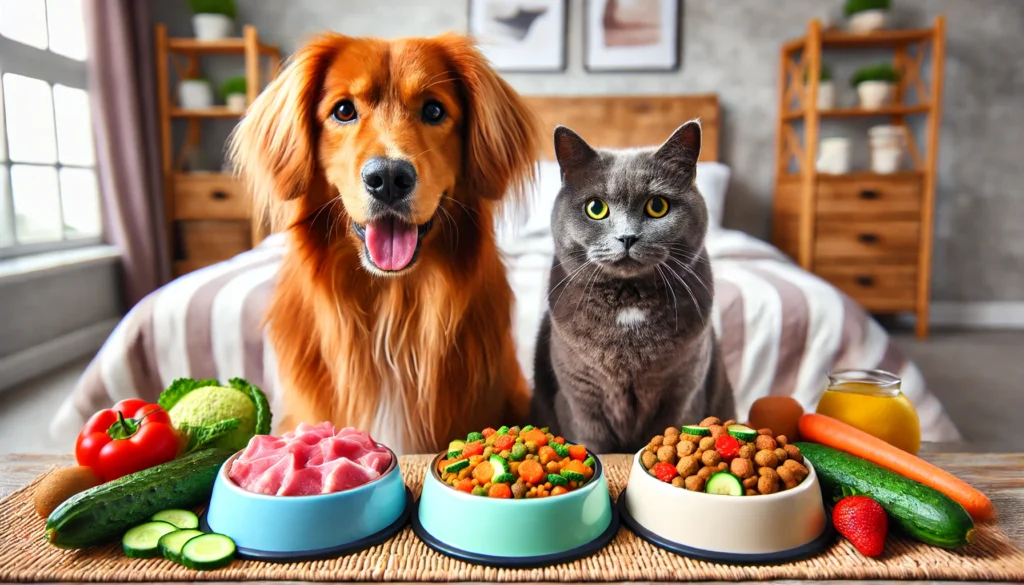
pixel 560 440
pixel 536 436
pixel 558 490
pixel 474 448
pixel 547 454
pixel 504 442
pixel 530 471
pixel 464 485
pixel 488 432
pixel 578 452
pixel 500 490
pixel 483 472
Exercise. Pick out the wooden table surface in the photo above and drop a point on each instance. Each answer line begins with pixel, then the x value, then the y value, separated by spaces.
pixel 999 475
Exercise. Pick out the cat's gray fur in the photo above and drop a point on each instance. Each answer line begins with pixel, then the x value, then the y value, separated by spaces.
pixel 627 348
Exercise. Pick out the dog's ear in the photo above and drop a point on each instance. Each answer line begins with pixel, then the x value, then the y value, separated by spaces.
pixel 502 142
pixel 274 146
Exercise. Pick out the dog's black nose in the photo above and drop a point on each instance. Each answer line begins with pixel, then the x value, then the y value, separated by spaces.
pixel 388 179
pixel 628 241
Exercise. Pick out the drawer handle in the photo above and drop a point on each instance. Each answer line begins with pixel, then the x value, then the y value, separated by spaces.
pixel 865 281
pixel 867 238
pixel 869 194
pixel 219 195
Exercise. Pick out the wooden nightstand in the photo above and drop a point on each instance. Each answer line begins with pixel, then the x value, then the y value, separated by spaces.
pixel 868 234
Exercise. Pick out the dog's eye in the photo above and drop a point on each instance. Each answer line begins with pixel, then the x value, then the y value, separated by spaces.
pixel 657 207
pixel 345 111
pixel 433 112
pixel 596 209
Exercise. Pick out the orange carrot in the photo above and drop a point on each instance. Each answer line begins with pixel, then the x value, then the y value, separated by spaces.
pixel 536 436
pixel 833 433
pixel 500 490
pixel 531 471
pixel 558 490
pixel 578 452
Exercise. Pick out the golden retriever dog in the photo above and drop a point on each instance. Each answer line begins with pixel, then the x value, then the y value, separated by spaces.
pixel 386 162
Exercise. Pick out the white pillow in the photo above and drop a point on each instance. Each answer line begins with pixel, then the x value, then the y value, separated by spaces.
pixel 713 183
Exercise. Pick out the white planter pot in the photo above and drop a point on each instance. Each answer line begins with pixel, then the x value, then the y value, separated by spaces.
pixel 211 27
pixel 236 102
pixel 195 94
pixel 834 156
pixel 826 95
pixel 887 146
pixel 874 94
pixel 868 21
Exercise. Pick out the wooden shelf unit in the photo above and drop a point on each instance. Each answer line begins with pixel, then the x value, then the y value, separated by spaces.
pixel 208 214
pixel 868 234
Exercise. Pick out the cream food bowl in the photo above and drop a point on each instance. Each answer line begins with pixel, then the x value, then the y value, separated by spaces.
pixel 747 525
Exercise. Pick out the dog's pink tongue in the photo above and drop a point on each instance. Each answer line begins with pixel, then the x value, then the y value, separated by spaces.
pixel 391 243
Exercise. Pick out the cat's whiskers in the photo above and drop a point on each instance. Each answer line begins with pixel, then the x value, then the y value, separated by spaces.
pixel 586 287
pixel 571 277
pixel 692 273
pixel 688 290
pixel 675 302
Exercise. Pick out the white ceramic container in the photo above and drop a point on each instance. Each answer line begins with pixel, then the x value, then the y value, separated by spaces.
pixel 826 95
pixel 736 525
pixel 236 102
pixel 868 21
pixel 195 94
pixel 874 94
pixel 887 146
pixel 212 27
pixel 834 156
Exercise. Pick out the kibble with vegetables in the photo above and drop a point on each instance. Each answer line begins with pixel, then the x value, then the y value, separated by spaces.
pixel 520 463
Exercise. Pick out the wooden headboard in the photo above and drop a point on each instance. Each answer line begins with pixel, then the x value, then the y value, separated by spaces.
pixel 625 121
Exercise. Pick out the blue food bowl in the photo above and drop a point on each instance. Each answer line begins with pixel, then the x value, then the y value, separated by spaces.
pixel 305 527
pixel 515 533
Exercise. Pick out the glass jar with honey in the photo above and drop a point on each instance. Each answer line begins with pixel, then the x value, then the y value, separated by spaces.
pixel 871 400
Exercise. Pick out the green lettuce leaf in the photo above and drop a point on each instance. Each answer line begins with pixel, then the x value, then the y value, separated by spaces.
pixel 200 436
pixel 259 399
pixel 179 388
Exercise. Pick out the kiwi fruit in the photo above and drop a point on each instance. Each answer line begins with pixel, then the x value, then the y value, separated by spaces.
pixel 61 484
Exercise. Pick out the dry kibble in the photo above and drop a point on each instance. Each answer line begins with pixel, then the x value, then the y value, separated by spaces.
pixel 671 431
pixel 688 466
pixel 711 458
pixel 787 477
pixel 553 467
pixel 782 440
pixel 768 472
pixel 691 438
pixel 764 432
pixel 781 454
pixel 751 492
pixel 747 451
pixel 794 453
pixel 671 440
pixel 684 448
pixel 705 472
pixel 648 459
pixel 718 431
pixel 677 482
pixel 767 485
pixel 740 442
pixel 667 453
pixel 741 468
pixel 657 440
pixel 652 448
pixel 798 469
pixel 728 423
pixel 695 483
pixel 707 443
pixel 765 443
pixel 711 420
pixel 723 466
pixel 766 459
pixel 751 482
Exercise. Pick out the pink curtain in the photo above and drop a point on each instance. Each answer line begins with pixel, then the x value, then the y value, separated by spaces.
pixel 122 86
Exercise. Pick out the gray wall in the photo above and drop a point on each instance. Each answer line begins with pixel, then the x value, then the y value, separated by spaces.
pixel 730 47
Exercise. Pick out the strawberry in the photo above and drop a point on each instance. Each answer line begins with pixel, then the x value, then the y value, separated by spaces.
pixel 863 522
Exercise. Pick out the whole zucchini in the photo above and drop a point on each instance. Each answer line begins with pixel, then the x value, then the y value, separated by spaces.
pixel 920 511
pixel 103 514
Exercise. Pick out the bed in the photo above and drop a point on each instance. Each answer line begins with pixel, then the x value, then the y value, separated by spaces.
pixel 781 328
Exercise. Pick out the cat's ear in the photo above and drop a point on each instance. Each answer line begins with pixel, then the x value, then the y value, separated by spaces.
pixel 571 150
pixel 684 144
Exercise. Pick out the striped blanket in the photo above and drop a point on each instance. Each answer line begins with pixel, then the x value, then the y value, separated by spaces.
pixel 781 329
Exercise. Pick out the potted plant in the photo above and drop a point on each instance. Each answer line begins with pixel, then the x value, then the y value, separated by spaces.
pixel 213 19
pixel 195 93
pixel 826 89
pixel 234 93
pixel 864 16
pixel 874 85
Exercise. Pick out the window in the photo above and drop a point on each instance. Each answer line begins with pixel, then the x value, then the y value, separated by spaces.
pixel 49 195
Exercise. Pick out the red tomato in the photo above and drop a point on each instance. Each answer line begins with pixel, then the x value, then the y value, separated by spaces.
pixel 728 447
pixel 131 436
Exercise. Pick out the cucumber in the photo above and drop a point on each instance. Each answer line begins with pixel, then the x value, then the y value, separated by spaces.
pixel 502 431
pixel 456 466
pixel 500 468
pixel 556 479
pixel 572 475
pixel 171 543
pixel 724 483
pixel 919 511
pixel 208 552
pixel 504 478
pixel 560 449
pixel 589 462
pixel 742 432
pixel 143 542
pixel 180 519
pixel 103 514
pixel 697 430
pixel 455 449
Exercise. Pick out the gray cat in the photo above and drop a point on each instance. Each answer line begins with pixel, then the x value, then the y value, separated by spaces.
pixel 627 348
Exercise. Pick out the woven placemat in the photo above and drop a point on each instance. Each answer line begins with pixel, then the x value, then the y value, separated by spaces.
pixel 24 556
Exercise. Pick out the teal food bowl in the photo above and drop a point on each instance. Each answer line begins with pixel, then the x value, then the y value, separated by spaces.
pixel 289 528
pixel 515 533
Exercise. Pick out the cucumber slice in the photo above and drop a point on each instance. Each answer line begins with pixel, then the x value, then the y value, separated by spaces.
pixel 742 432
pixel 455 449
pixel 561 450
pixel 504 478
pixel 456 466
pixel 208 552
pixel 181 519
pixel 171 543
pixel 697 430
pixel 724 483
pixel 500 468
pixel 143 541
pixel 556 479
pixel 589 462
pixel 575 475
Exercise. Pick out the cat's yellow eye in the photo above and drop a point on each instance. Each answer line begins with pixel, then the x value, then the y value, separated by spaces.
pixel 657 207
pixel 596 209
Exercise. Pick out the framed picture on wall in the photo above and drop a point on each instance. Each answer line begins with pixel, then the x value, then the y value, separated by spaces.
pixel 521 35
pixel 632 35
